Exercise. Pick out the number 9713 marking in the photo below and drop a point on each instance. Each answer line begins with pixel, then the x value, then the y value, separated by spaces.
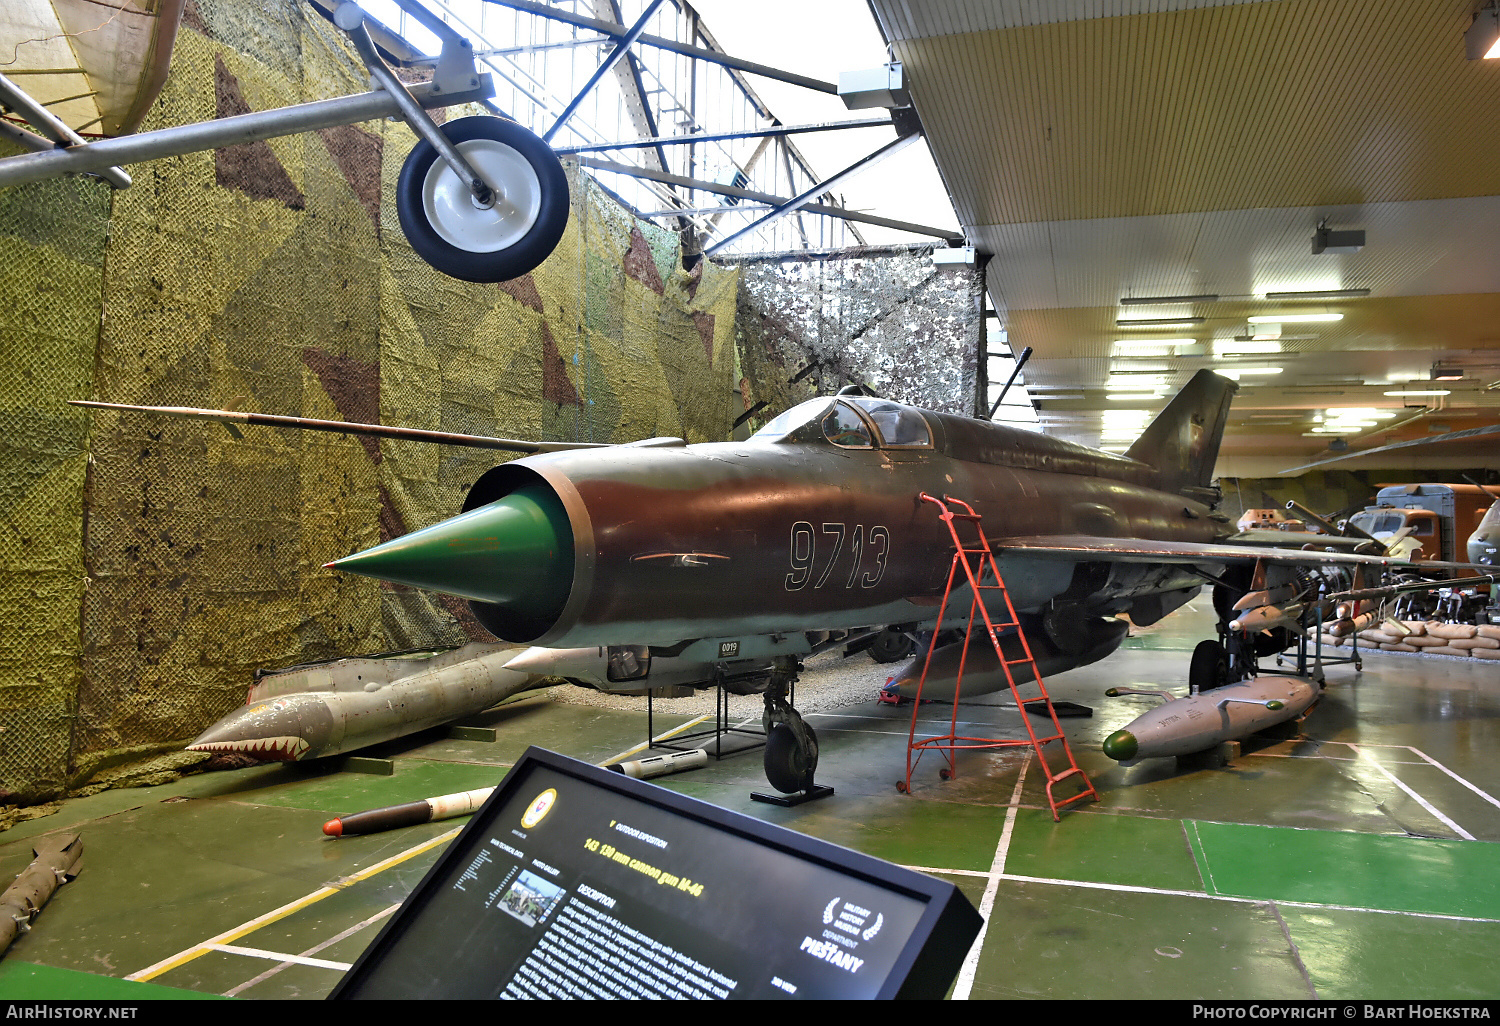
pixel 804 554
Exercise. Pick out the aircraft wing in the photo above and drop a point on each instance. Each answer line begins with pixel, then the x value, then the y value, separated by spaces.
pixel 1079 547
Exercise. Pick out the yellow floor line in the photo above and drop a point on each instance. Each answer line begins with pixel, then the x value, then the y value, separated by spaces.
pixel 228 936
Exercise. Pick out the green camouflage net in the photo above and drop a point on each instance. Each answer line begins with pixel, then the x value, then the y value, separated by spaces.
pixel 154 564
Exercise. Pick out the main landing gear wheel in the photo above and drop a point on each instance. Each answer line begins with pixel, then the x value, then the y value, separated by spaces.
pixel 1209 667
pixel 473 241
pixel 889 646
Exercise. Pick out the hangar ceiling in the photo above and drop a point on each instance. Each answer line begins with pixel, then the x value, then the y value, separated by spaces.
pixel 1108 150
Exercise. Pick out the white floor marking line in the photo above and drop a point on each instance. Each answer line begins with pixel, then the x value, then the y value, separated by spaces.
pixel 1430 760
pixel 203 947
pixel 1203 866
pixel 1414 796
pixel 965 982
pixel 1168 892
pixel 1135 889
pixel 341 935
pixel 280 956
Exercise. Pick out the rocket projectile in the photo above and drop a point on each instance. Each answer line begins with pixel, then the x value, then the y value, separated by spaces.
pixel 1196 723
pixel 660 765
pixel 293 727
pixel 428 810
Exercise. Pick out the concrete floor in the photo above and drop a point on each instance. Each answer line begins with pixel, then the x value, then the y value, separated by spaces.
pixel 1356 861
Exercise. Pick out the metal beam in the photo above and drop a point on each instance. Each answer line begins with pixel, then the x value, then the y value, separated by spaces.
pixel 749 133
pixel 49 124
pixel 621 48
pixel 102 154
pixel 804 198
pixel 616 31
pixel 764 197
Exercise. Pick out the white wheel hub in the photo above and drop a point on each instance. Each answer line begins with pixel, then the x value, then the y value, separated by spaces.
pixel 456 216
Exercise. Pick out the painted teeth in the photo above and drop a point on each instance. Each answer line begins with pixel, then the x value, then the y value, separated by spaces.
pixel 272 749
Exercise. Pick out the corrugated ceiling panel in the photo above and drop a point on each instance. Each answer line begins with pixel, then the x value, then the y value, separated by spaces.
pixel 914 19
pixel 1425 247
pixel 1297 102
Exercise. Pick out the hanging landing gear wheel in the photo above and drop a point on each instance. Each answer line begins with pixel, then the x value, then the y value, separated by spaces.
pixel 1209 667
pixel 451 230
pixel 945 773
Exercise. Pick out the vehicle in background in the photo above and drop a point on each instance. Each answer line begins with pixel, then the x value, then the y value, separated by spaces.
pixel 1438 519
pixel 1269 520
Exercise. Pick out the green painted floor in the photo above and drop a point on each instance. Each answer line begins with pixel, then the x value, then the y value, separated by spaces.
pixel 1358 860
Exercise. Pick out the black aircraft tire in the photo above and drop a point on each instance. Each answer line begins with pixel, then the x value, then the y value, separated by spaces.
pixel 788 766
pixel 1209 667
pixel 484 245
pixel 890 646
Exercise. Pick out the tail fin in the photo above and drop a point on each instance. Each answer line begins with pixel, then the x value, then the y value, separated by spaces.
pixel 1182 443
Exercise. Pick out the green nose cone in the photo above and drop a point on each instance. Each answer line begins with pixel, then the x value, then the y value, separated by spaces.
pixel 1121 746
pixel 516 552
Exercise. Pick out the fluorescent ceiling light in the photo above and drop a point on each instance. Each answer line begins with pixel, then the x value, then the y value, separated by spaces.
pixel 1133 396
pixel 1295 318
pixel 1147 322
pixel 1482 39
pixel 1327 294
pixel 1422 391
pixel 1248 346
pixel 1152 300
pixel 1150 343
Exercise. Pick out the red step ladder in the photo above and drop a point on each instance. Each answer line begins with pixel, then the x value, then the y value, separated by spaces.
pixel 967 557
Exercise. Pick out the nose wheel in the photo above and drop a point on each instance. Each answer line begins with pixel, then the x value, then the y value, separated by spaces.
pixel 791 756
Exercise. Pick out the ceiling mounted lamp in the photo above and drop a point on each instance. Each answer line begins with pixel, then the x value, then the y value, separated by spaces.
pixel 1325 240
pixel 1149 343
pixel 1482 40
pixel 1156 322
pixel 1442 372
pixel 1295 318
pixel 1161 300
pixel 1327 294
pixel 1420 391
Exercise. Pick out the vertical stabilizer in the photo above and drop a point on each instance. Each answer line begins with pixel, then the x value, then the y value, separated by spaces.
pixel 1183 441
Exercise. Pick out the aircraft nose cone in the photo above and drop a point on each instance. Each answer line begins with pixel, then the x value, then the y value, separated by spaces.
pixel 516 552
pixel 275 730
pixel 1121 746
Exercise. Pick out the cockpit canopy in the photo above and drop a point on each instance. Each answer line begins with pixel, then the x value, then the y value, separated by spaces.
pixel 851 423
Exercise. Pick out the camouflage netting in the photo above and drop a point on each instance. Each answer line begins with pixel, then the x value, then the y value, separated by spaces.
pixel 152 565
pixel 888 319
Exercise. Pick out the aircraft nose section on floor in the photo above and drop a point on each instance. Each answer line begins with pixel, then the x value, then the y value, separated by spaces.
pixel 275 730
pixel 515 552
